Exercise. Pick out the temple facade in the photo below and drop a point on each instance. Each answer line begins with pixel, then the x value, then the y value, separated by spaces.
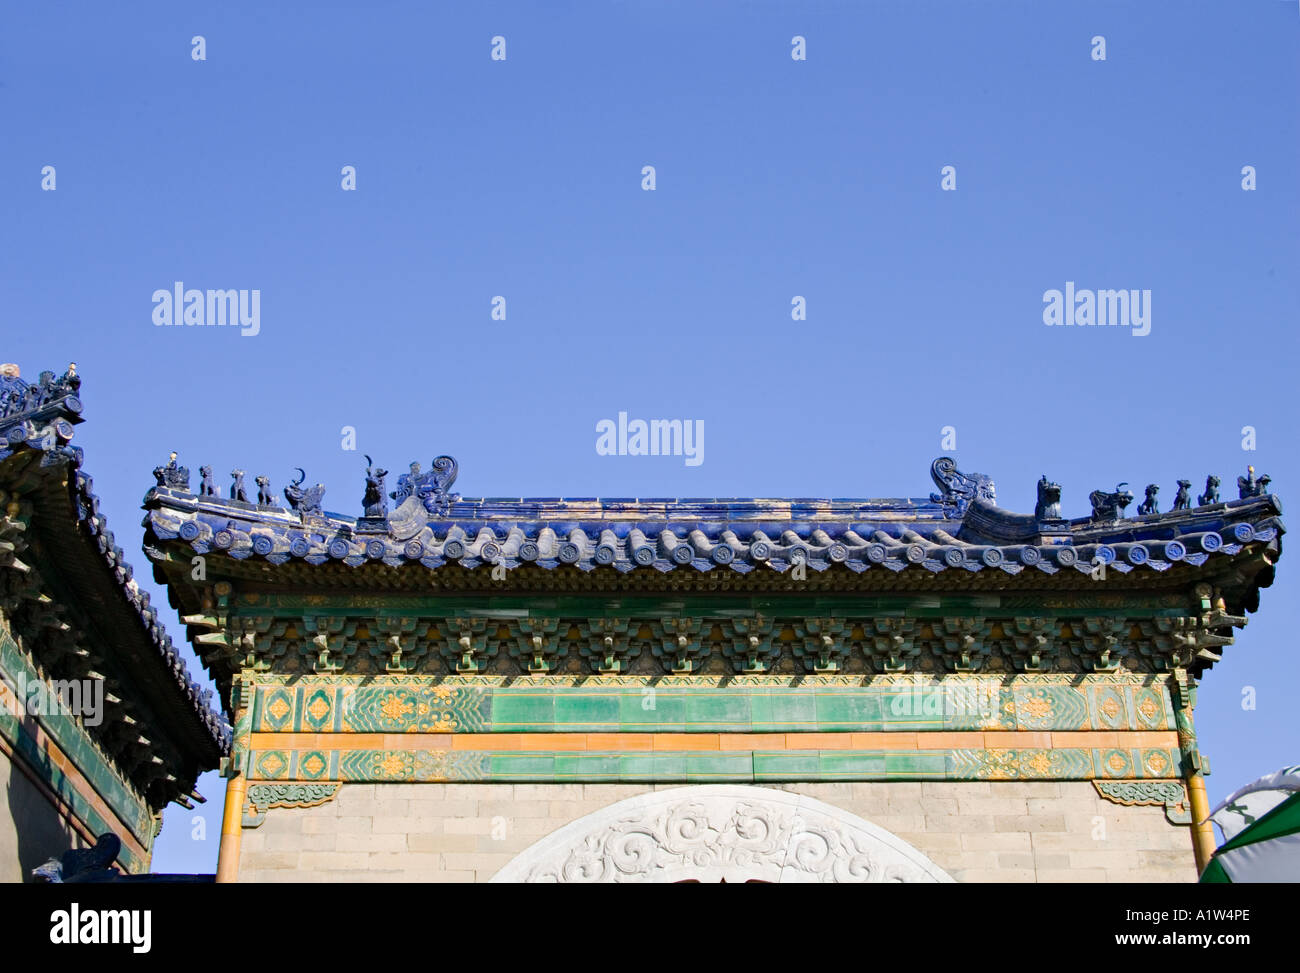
pixel 628 689
pixel 100 724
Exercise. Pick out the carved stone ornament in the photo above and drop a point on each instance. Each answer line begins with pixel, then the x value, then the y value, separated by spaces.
pixel 721 832
pixel 1172 794
pixel 263 797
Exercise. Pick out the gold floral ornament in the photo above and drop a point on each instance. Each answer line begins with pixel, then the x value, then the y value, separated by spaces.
pixel 394 708
pixel 313 764
pixel 1000 764
pixel 318 709
pixel 1040 763
pixel 392 765
pixel 279 708
pixel 1149 708
pixel 1037 706
pixel 1111 708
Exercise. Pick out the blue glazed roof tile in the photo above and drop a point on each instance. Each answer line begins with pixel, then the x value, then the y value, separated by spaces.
pixel 959 529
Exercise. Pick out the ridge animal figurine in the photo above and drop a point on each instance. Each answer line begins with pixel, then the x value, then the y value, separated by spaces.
pixel 1049 500
pixel 265 498
pixel 1110 506
pixel 1148 505
pixel 237 491
pixel 1211 494
pixel 374 502
pixel 1182 499
pixel 1248 486
pixel 304 501
pixel 172 476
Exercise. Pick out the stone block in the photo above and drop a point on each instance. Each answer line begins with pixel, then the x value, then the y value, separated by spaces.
pixel 371 842
pixel 475 825
pixel 951 790
pixel 352 796
pixel 1071 875
pixel 353 825
pixel 1173 860
pixel 310 860
pixel 483 864
pixel 931 842
pixel 417 865
pixel 983 841
pixel 961 822
pixel 442 842
pixel 514 809
pixel 480 792
pixel 991 805
pixel 552 792
pixel 1036 823
pixel 270 860
pixel 1052 860
pixel 408 825
pixel 296 842
pixel 994 875
pixel 426 792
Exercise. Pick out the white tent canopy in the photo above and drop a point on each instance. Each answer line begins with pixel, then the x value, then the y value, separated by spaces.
pixel 1248 804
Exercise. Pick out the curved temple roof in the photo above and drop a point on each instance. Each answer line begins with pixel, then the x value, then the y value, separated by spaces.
pixel 959 529
pixel 67 542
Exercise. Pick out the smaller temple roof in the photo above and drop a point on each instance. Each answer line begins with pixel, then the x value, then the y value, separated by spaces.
pixel 62 545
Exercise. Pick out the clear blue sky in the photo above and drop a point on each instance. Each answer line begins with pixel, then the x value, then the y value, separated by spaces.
pixel 775 178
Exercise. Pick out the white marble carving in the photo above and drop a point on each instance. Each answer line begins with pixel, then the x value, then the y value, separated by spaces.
pixel 721 832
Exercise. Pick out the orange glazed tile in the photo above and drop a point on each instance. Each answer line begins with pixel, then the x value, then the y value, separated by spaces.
pixel 409 741
pixel 686 741
pixel 487 741
pixel 950 741
pixel 621 741
pixel 885 741
pixel 752 741
pixel 1089 739
pixel 1149 738
pixel 1014 739
pixel 551 741
pixel 819 741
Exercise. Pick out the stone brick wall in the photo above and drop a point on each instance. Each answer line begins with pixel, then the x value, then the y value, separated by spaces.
pixel 1014 831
